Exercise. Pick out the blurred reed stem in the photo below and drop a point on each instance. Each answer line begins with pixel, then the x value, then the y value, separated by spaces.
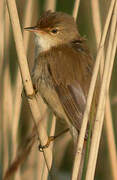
pixel 90 95
pixel 7 96
pixel 26 77
pixel 108 117
pixel 2 25
pixel 76 8
pixel 50 5
pixel 102 98
pixel 111 140
pixel 18 87
pixel 7 116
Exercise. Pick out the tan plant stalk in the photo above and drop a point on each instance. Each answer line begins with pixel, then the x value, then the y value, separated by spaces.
pixel 15 121
pixel 50 5
pixel 111 143
pixel 108 116
pixel 18 88
pixel 2 16
pixel 90 95
pixel 29 10
pixel 18 85
pixel 76 7
pixel 102 98
pixel 7 115
pixel 7 96
pixel 26 77
pixel 96 21
pixel 2 6
pixel 102 117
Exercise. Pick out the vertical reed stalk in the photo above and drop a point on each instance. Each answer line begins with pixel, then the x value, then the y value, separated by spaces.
pixel 90 96
pixel 18 89
pixel 102 99
pixel 111 139
pixel 50 5
pixel 7 96
pixel 2 6
pixel 108 116
pixel 75 9
pixel 7 116
pixel 26 77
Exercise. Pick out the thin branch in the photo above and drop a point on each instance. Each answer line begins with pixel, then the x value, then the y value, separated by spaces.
pixel 26 77
pixel 102 98
pixel 90 96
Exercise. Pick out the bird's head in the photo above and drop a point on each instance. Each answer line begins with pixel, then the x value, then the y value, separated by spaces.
pixel 54 28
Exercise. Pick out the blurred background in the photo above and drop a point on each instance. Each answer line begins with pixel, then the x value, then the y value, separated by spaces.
pixel 16 125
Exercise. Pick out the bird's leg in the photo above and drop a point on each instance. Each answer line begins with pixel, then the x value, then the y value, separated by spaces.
pixel 50 139
pixel 32 95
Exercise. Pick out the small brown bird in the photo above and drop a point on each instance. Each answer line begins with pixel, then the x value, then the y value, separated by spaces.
pixel 63 67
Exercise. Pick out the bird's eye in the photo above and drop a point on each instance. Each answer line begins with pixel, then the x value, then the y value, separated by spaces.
pixel 54 31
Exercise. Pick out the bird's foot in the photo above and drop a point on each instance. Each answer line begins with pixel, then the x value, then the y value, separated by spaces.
pixel 31 95
pixel 50 139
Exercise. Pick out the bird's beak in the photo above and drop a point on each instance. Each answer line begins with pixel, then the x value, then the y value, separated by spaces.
pixel 35 29
pixel 32 29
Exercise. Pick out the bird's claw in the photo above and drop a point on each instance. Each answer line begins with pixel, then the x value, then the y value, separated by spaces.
pixel 50 139
pixel 31 95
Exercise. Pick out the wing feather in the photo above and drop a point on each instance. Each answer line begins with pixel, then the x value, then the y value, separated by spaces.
pixel 70 73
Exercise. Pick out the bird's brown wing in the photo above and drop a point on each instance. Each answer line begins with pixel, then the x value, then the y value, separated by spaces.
pixel 69 69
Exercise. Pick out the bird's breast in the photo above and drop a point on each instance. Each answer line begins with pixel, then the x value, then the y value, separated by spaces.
pixel 50 97
pixel 44 85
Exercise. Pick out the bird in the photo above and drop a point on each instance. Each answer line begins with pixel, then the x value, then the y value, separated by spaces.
pixel 63 67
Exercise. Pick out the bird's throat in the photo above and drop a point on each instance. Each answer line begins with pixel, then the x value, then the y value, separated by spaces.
pixel 42 43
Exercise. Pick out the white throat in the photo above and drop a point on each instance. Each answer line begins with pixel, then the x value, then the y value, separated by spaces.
pixel 42 43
